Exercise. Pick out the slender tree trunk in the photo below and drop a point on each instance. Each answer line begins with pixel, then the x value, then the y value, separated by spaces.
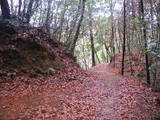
pixel 5 9
pixel 97 57
pixel 84 56
pixel 91 38
pixel 72 47
pixel 24 8
pixel 124 38
pixel 11 6
pixel 69 40
pixel 47 24
pixel 152 18
pixel 41 13
pixel 19 7
pixel 116 41
pixel 107 50
pixel 29 11
pixel 92 45
pixel 62 22
pixel 85 61
pixel 130 55
pixel 112 34
pixel 158 20
pixel 145 40
pixel 120 35
pixel 61 28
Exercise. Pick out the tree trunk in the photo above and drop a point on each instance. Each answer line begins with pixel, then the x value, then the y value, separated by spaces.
pixel 92 43
pixel 84 60
pixel 91 35
pixel 152 19
pixel 62 21
pixel 116 41
pixel 5 9
pixel 69 40
pixel 108 52
pixel 47 24
pixel 158 20
pixel 112 33
pixel 145 40
pixel 124 38
pixel 11 4
pixel 72 47
pixel 19 7
pixel 120 35
pixel 24 8
pixel 97 57
pixel 29 11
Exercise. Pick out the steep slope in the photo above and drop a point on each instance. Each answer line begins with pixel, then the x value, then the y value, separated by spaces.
pixel 134 65
pixel 30 57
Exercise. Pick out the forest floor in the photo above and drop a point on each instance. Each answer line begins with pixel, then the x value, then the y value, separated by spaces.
pixel 102 95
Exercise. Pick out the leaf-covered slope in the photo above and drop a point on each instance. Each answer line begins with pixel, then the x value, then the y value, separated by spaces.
pixel 32 50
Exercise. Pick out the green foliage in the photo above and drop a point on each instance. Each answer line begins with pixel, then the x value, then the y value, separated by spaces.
pixel 136 75
pixel 103 57
pixel 50 71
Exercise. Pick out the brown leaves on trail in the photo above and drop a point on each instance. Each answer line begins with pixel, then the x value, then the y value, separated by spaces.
pixel 138 100
pixel 98 94
pixel 54 102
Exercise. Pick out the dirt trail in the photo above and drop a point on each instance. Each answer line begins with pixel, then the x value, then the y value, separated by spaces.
pixel 107 88
pixel 103 96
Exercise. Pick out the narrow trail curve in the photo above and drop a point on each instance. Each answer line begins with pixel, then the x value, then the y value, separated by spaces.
pixel 102 96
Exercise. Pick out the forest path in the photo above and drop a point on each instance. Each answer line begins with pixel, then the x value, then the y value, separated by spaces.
pixel 122 97
pixel 104 95
pixel 106 84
